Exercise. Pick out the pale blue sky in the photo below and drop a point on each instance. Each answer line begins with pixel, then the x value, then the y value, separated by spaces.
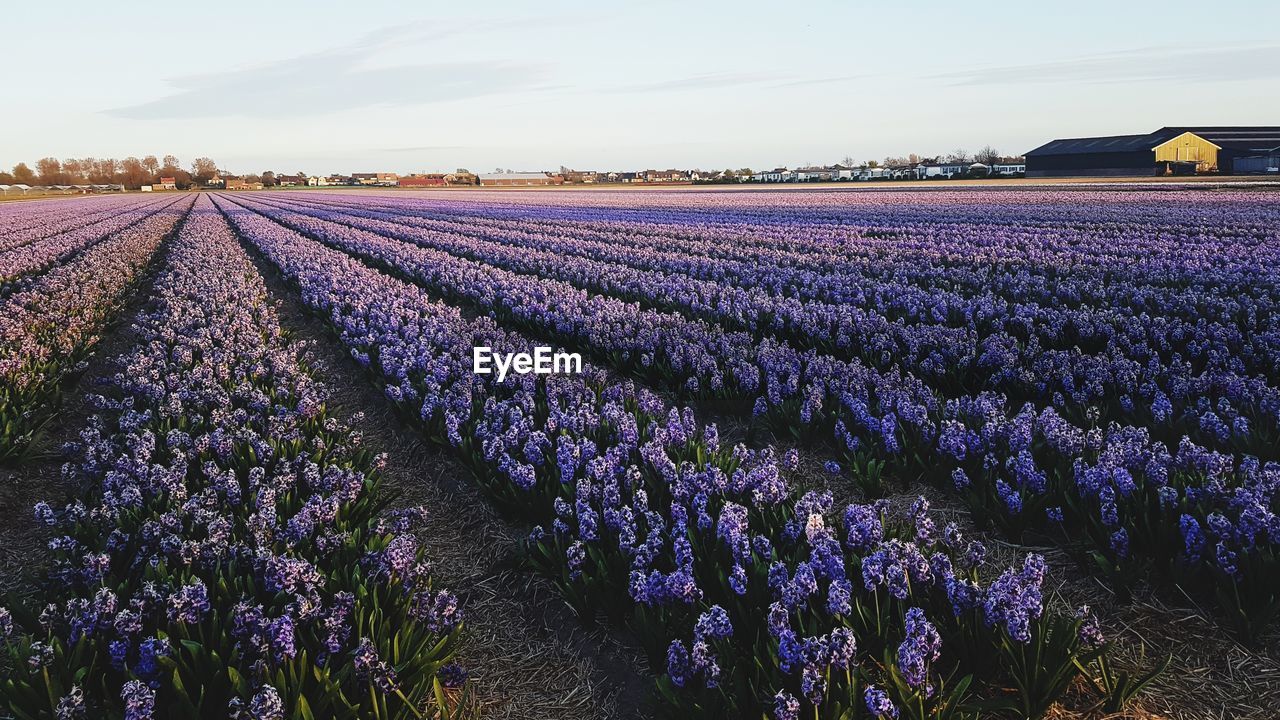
pixel 412 86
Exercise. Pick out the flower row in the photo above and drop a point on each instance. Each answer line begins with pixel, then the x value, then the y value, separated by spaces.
pixel 752 600
pixel 28 222
pixel 1022 466
pixel 47 328
pixel 39 255
pixel 228 557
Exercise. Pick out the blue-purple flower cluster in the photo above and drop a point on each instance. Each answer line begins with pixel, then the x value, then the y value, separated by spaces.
pixel 1108 385
pixel 750 599
pixel 227 552
pixel 49 320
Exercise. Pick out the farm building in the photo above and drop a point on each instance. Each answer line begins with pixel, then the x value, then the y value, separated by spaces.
pixel 1169 150
pixel 166 183
pixel 385 179
pixel 519 178
pixel 430 180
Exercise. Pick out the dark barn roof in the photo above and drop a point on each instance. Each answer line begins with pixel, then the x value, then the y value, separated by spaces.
pixel 1108 144
pixel 1251 139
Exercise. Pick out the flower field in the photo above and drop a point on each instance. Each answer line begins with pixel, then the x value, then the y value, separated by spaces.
pixel 1092 374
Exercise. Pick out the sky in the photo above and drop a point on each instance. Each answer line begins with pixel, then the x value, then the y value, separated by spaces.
pixel 323 87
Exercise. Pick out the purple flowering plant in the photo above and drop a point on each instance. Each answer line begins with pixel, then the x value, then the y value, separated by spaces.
pixel 229 550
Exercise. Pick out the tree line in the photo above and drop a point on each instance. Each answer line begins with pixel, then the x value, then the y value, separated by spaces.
pixel 131 172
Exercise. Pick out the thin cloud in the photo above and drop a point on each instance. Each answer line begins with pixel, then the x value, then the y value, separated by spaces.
pixel 817 81
pixel 339 79
pixel 704 81
pixel 421 148
pixel 718 80
pixel 1139 65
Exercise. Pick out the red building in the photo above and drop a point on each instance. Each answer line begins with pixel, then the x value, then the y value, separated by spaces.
pixel 422 181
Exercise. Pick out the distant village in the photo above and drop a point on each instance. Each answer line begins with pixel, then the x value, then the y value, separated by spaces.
pixel 150 174
pixel 1174 150
pixel 953 167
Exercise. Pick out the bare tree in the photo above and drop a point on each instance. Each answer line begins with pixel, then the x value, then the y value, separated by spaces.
pixel 959 155
pixel 203 169
pixel 75 171
pixel 105 170
pixel 987 155
pixel 50 171
pixel 151 164
pixel 132 173
pixel 23 174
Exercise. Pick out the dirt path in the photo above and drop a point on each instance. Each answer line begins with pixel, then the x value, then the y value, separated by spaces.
pixel 528 654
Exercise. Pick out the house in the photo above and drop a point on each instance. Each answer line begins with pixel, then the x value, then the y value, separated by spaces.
pixel 384 179
pixel 943 170
pixel 166 183
pixel 291 180
pixel 664 176
pixel 423 180
pixel 842 172
pixel 1169 150
pixel 240 184
pixel 814 174
pixel 1009 169
pixel 581 177
pixel 902 172
pixel 520 179
pixel 781 174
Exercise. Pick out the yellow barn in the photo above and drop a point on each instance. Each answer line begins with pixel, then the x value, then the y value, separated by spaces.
pixel 1189 148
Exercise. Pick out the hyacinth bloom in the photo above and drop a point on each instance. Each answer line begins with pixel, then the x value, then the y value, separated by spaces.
pixel 49 321
pixel 1128 387
pixel 693 317
pixel 226 531
pixel 1096 367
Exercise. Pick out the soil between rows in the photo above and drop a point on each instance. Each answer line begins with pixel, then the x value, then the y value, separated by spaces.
pixel 528 654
